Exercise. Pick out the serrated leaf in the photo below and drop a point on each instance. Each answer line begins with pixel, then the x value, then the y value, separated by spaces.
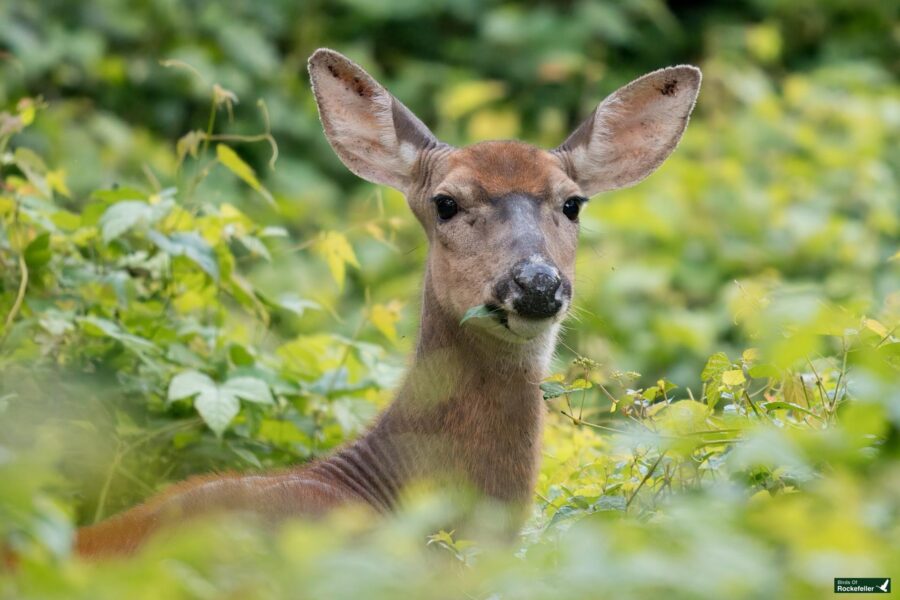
pixel 248 388
pixel 236 165
pixel 733 377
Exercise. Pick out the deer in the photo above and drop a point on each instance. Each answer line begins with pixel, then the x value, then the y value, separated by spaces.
pixel 501 219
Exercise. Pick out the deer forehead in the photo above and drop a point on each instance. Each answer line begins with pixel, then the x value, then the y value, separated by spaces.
pixel 490 170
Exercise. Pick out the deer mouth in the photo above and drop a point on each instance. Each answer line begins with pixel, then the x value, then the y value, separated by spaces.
pixel 498 314
pixel 516 327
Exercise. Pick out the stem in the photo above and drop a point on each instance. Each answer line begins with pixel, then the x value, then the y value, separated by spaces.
pixel 594 425
pixel 115 466
pixel 820 385
pixel 104 491
pixel 345 356
pixel 209 126
pixel 650 472
pixel 753 406
pixel 20 299
pixel 841 376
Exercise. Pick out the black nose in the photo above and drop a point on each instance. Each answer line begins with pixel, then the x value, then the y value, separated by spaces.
pixel 538 283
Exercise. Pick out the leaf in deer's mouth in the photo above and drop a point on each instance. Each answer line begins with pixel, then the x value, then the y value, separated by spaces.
pixel 483 311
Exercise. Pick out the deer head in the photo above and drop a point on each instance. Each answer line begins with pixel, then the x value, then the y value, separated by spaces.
pixel 501 217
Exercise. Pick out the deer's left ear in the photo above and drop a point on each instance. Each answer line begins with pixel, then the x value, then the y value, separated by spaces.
pixel 633 131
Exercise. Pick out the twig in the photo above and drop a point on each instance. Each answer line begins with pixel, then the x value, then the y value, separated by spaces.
pixel 20 298
pixel 644 480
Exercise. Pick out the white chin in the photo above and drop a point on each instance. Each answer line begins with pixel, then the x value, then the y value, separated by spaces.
pixel 529 329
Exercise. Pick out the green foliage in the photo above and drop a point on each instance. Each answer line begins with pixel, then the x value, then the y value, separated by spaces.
pixel 179 294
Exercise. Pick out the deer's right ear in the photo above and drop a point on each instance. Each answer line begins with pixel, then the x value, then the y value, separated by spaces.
pixel 377 137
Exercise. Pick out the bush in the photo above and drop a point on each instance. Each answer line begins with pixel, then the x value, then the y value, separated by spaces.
pixel 188 285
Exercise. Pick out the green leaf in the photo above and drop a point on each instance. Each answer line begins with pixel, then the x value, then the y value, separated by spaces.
pixel 248 388
pixel 778 405
pixel 189 143
pixel 217 409
pixel 248 456
pixel 552 389
pixel 385 318
pixel 119 194
pixel 100 327
pixel 190 245
pixel 122 216
pixel 128 214
pixel 763 370
pixel 255 246
pixel 236 165
pixel 477 312
pixel 187 384
pixel 37 253
pixel 218 404
pixel 296 304
pixel 717 364
pixel 32 165
pixel 733 377
pixel 334 247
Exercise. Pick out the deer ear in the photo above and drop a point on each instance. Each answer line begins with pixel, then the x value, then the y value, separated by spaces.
pixel 374 135
pixel 633 131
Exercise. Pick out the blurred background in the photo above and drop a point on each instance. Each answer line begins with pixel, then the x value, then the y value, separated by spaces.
pixel 167 185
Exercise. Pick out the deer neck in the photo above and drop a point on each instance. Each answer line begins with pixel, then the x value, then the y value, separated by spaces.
pixel 471 407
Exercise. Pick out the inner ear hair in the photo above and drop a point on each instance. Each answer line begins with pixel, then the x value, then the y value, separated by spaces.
pixel 631 133
pixel 373 133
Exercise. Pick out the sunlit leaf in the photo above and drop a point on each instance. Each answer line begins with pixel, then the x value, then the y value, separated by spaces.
pixel 385 318
pixel 733 377
pixel 248 388
pixel 334 247
pixel 187 384
pixel 236 165
pixel 216 408
pixel 717 364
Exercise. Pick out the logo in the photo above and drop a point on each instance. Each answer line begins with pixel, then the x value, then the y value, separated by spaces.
pixel 862 585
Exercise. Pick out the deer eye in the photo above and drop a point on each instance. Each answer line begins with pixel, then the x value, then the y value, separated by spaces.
pixel 572 207
pixel 446 207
